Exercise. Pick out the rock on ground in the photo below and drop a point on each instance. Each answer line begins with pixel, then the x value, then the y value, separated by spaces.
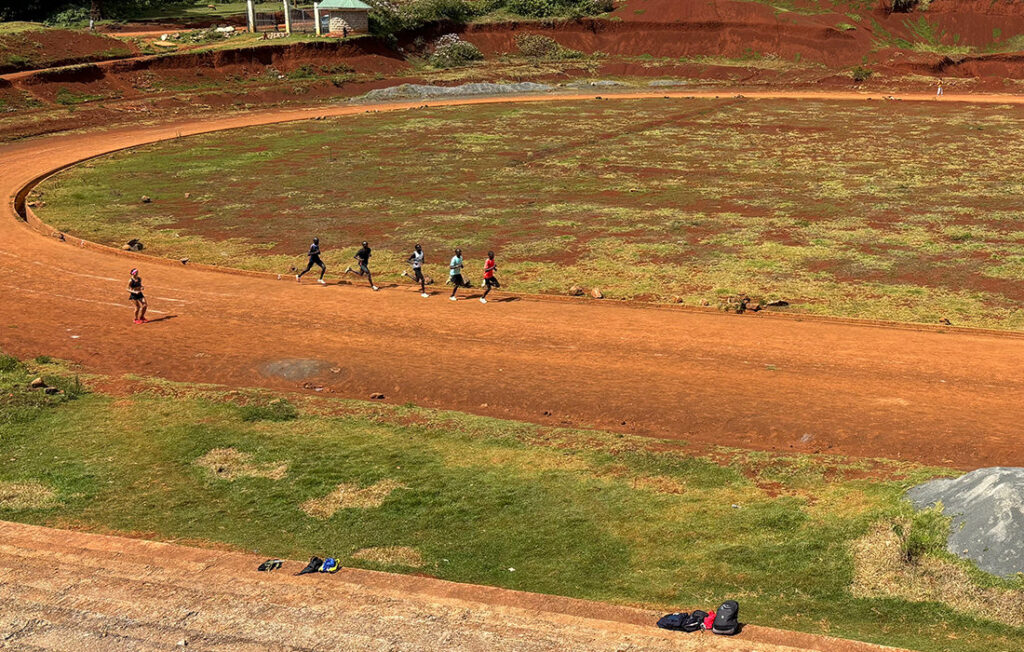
pixel 417 91
pixel 987 508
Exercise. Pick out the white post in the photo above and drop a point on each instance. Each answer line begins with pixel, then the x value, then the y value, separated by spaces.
pixel 316 18
pixel 250 14
pixel 287 17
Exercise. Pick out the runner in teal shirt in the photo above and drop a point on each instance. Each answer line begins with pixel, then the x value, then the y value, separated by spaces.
pixel 455 272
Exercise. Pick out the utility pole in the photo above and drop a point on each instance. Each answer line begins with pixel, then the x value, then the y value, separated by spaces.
pixel 316 18
pixel 250 15
pixel 287 17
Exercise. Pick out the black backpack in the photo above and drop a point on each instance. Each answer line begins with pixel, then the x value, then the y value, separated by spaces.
pixel 673 621
pixel 694 622
pixel 727 618
pixel 312 567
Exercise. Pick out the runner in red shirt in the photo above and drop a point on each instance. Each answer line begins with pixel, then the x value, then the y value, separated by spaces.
pixel 490 281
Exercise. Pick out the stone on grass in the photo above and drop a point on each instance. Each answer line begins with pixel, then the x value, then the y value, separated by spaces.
pixel 37 383
pixel 596 293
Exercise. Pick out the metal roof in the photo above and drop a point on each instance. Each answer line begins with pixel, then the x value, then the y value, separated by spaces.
pixel 345 4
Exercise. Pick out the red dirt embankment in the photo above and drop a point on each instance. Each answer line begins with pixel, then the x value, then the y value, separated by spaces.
pixel 45 48
pixel 142 76
pixel 744 30
pixel 978 23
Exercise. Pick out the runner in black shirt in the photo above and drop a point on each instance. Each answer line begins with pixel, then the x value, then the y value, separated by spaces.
pixel 363 257
pixel 314 259
pixel 135 296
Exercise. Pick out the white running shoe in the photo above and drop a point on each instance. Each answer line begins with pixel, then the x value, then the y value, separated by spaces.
pixel 425 295
pixel 321 281
pixel 298 279
pixel 375 288
pixel 453 299
pixel 348 270
pixel 483 300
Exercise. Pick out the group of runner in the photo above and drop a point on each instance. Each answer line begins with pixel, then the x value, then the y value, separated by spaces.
pixel 415 260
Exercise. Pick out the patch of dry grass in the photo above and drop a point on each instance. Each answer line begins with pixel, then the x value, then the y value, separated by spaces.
pixel 230 464
pixel 26 495
pixel 391 556
pixel 882 570
pixel 349 496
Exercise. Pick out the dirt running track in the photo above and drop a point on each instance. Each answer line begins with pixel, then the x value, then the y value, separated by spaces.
pixel 143 595
pixel 751 381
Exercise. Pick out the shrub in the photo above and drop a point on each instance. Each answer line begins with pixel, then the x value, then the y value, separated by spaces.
pixel 543 47
pixel 926 534
pixel 451 51
pixel 18 61
pixel 429 11
pixel 68 17
pixel 543 8
pixel 903 6
pixel 72 387
pixel 860 74
pixel 276 410
pixel 305 71
pixel 8 363
pixel 535 8
pixel 388 18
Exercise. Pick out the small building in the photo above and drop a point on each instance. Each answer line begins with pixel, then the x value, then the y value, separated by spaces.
pixel 346 16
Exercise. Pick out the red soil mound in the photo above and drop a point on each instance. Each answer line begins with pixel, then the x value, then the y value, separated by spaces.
pixel 44 48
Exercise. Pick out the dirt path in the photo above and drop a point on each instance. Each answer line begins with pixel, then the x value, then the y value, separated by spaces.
pixel 747 381
pixel 74 591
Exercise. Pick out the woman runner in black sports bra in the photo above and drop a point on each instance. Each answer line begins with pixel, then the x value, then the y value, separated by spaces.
pixel 135 296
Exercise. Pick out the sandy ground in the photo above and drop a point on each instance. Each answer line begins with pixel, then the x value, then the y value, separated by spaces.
pixel 64 590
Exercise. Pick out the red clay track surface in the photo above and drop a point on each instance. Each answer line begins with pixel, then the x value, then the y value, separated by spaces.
pixel 142 595
pixel 761 382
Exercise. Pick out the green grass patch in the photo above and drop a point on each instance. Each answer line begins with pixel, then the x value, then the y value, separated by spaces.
pixel 587 514
pixel 68 97
pixel 18 27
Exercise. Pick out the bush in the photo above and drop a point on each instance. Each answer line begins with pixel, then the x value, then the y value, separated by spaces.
pixel 18 61
pixel 544 8
pixel 430 11
pixel 926 534
pixel 68 17
pixel 276 410
pixel 450 51
pixel 388 18
pixel 72 387
pixel 8 363
pixel 537 46
pixel 860 74
pixel 903 6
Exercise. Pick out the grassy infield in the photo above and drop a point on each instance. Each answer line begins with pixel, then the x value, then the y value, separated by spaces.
pixel 580 513
pixel 905 212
